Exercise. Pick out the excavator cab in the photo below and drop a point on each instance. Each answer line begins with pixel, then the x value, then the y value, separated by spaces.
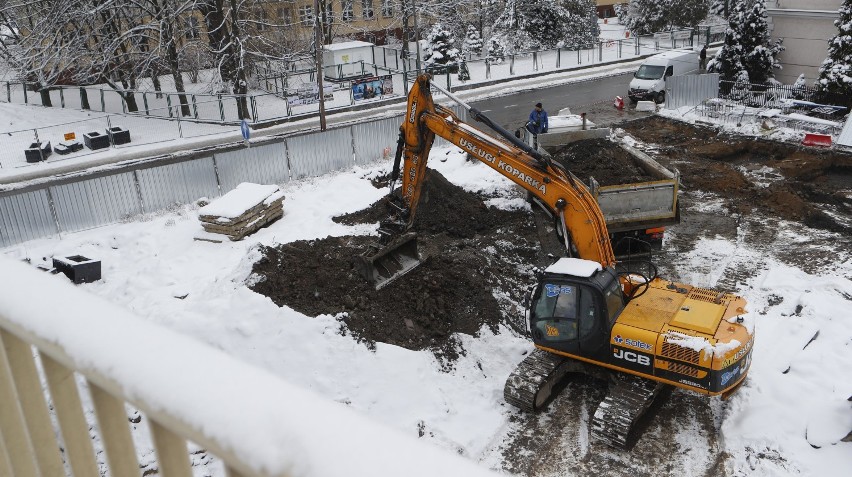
pixel 573 306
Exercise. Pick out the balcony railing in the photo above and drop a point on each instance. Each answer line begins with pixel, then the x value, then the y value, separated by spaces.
pixel 65 353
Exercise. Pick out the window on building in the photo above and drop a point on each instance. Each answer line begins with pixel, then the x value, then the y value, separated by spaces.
pixel 387 8
pixel 329 13
pixel 192 30
pixel 367 9
pixel 285 15
pixel 306 14
pixel 346 8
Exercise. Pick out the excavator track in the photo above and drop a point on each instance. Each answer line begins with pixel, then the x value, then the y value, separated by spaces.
pixel 531 384
pixel 628 398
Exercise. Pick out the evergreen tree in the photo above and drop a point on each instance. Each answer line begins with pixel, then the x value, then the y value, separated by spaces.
pixel 472 41
pixel 582 29
pixel 496 51
pixel 649 16
pixel 759 50
pixel 532 24
pixel 440 47
pixel 835 73
pixel 728 61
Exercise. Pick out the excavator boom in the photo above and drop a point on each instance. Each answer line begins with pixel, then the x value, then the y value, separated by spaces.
pixel 580 218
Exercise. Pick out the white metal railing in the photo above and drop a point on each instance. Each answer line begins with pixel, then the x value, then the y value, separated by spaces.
pixel 255 423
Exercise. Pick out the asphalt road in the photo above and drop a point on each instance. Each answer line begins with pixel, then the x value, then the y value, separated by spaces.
pixel 512 111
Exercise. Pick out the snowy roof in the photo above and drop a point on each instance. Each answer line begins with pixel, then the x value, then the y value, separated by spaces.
pixel 346 45
pixel 576 267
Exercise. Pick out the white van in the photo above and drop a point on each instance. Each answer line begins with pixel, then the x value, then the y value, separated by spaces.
pixel 649 81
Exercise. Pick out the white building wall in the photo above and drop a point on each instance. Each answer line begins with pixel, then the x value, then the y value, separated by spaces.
pixel 805 26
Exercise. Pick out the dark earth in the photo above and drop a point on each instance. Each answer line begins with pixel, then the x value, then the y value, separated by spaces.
pixel 762 188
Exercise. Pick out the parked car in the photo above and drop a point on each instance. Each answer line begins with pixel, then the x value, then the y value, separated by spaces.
pixel 649 81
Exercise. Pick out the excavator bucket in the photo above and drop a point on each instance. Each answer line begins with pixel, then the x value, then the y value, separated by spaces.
pixel 380 265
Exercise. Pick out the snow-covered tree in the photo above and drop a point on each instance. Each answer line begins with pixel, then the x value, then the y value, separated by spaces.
pixel 728 61
pixel 835 73
pixel 760 51
pixel 532 24
pixel 496 51
pixel 649 16
pixel 748 46
pixel 472 41
pixel 440 48
pixel 582 29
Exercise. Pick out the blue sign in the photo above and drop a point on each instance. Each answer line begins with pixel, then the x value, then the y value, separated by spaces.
pixel 244 128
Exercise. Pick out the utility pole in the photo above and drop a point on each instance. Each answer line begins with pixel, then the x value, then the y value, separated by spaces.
pixel 318 24
pixel 404 30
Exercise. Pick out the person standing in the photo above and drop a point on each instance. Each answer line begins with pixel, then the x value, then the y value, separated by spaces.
pixel 702 58
pixel 537 123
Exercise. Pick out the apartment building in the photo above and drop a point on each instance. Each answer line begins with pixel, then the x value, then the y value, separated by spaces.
pixel 805 26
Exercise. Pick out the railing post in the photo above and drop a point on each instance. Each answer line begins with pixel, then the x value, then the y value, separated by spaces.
pixel 33 404
pixel 69 413
pixel 535 61
pixel 558 58
pixel 253 102
pixel 145 103
pixel 25 93
pixel 600 51
pixel 512 64
pixel 103 103
pixel 221 107
pixel 487 68
pixel 19 448
pixel 8 92
pixel 172 453
pixel 619 48
pixel 180 128
pixel 61 97
pixel 169 104
pixel 636 41
pixel 115 433
pixel 194 107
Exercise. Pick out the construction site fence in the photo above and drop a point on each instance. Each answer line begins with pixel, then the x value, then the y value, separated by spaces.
pixel 83 202
pixel 690 90
pixel 773 94
pixel 81 397
pixel 288 93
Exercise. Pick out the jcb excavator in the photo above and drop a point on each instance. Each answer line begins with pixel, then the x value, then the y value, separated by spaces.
pixel 641 332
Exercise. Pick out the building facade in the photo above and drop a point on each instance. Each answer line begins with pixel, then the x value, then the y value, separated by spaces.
pixel 805 26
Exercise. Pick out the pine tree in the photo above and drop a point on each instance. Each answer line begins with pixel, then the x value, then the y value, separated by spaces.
pixel 440 48
pixel 496 51
pixel 759 50
pixel 472 41
pixel 582 29
pixel 532 24
pixel 649 16
pixel 835 73
pixel 728 60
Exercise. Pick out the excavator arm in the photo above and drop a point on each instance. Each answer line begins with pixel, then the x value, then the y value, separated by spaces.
pixel 566 197
pixel 583 225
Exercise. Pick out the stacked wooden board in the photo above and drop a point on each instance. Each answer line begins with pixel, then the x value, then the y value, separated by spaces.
pixel 241 212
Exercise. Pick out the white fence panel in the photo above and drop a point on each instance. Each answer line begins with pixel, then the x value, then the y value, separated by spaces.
pixel 179 183
pixel 690 90
pixel 376 139
pixel 90 203
pixel 320 153
pixel 25 216
pixel 266 164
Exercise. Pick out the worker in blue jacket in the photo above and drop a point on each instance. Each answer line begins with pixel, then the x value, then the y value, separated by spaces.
pixel 538 120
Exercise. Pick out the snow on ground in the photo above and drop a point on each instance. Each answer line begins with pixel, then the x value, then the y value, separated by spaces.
pixel 793 404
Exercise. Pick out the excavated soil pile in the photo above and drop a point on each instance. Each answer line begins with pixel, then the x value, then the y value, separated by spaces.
pixel 471 250
pixel 793 182
pixel 602 159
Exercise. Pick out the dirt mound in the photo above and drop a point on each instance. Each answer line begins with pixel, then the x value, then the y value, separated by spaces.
pixel 470 249
pixel 443 208
pixel 602 159
pixel 810 185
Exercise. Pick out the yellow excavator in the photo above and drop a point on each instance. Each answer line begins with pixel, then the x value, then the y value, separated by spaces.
pixel 584 313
